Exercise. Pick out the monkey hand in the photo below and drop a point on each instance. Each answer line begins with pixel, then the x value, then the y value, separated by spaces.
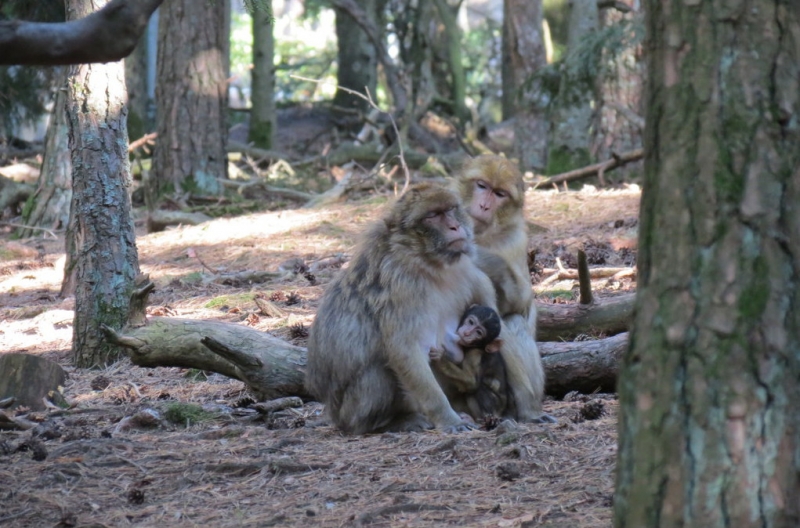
pixel 436 354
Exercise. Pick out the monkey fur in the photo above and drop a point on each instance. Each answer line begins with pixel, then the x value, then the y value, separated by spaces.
pixel 493 192
pixel 409 278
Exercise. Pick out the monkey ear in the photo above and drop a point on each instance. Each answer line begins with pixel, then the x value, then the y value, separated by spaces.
pixel 494 346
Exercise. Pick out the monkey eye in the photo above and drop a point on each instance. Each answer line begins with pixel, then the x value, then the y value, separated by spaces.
pixel 501 194
pixel 481 184
pixel 433 214
pixel 479 331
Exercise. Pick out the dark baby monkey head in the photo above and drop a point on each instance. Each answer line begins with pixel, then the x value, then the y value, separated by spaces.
pixel 479 328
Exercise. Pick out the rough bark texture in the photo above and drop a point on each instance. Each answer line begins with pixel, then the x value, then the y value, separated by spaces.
pixel 567 321
pixel 583 366
pixel 357 57
pixel 49 206
pixel 105 36
pixel 101 238
pixel 192 97
pixel 617 127
pixel 524 54
pixel 710 402
pixel 570 134
pixel 263 118
pixel 453 42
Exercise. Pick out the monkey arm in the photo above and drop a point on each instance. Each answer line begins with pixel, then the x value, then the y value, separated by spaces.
pixel 464 378
pixel 410 364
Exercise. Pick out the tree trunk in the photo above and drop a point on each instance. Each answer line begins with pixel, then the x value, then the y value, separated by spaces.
pixel 571 121
pixel 192 98
pixel 524 54
pixel 101 239
pixel 357 57
pixel 136 82
pixel 451 35
pixel 49 206
pixel 709 430
pixel 263 118
pixel 618 126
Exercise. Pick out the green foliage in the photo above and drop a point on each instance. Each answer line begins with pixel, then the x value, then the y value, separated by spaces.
pixel 24 92
pixel 482 58
pixel 186 414
pixel 562 159
pixel 228 300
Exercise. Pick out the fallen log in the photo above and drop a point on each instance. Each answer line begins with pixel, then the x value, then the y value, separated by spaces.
pixel 618 160
pixel 583 366
pixel 567 321
pixel 272 368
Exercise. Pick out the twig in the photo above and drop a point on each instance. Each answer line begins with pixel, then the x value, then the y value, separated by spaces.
pixel 147 139
pixel 15 515
pixel 48 231
pixel 371 102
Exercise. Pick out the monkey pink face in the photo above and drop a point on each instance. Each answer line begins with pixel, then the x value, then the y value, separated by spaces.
pixel 471 332
pixel 452 231
pixel 486 201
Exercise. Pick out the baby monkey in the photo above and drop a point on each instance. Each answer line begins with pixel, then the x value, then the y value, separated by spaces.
pixel 469 361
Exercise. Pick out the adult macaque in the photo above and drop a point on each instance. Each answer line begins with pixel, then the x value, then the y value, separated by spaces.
pixel 469 367
pixel 368 350
pixel 493 192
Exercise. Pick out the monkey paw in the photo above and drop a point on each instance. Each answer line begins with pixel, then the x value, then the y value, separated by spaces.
pixel 436 354
pixel 462 427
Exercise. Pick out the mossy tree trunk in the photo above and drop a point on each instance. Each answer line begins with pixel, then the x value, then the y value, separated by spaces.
pixel 709 431
pixel 100 237
pixel 136 82
pixel 262 114
pixel 191 97
pixel 570 130
pixel 523 55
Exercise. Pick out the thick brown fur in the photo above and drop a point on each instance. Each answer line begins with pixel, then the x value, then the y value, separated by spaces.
pixel 501 233
pixel 368 349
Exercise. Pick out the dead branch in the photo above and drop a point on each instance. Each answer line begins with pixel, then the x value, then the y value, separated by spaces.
pixel 584 279
pixel 594 273
pixel 255 152
pixel 159 220
pixel 604 166
pixel 107 35
pixel 147 139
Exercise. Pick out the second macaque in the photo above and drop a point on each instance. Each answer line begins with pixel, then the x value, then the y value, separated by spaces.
pixel 471 366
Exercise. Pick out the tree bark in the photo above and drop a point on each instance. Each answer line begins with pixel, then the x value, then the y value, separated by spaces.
pixel 448 15
pixel 583 366
pixel 101 238
pixel 49 207
pixel 263 118
pixel 136 83
pixel 617 125
pixel 709 395
pixel 523 55
pixel 105 36
pixel 28 379
pixel 192 98
pixel 571 121
pixel 357 57
pixel 567 321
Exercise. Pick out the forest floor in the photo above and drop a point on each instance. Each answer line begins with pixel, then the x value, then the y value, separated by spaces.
pixel 105 464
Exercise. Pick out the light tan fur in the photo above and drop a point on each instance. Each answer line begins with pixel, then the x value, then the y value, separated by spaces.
pixel 368 350
pixel 501 233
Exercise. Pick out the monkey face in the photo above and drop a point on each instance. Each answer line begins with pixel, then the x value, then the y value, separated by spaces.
pixel 486 200
pixel 471 332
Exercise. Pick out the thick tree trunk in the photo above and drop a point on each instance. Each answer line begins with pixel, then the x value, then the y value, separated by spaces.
pixel 570 133
pixel 192 97
pixel 618 126
pixel 709 430
pixel 357 57
pixel 101 239
pixel 263 118
pixel 524 54
pixel 49 207
pixel 451 35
